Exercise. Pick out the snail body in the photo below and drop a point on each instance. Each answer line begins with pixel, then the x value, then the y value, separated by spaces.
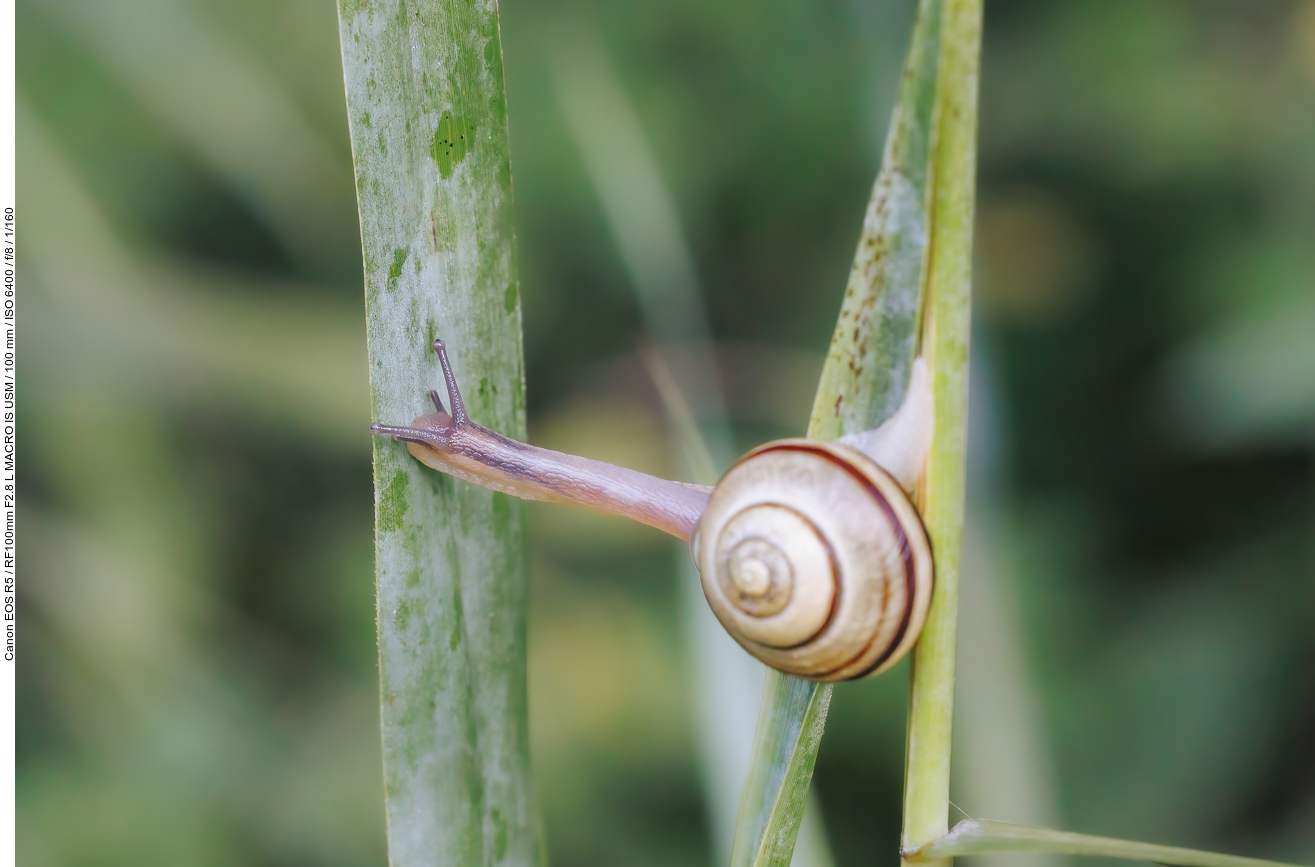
pixel 810 553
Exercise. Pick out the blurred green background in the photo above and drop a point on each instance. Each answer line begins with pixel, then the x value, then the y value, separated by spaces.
pixel 197 680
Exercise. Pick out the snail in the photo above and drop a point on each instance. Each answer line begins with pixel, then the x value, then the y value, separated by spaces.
pixel 810 553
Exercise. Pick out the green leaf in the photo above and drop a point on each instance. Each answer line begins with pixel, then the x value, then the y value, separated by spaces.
pixel 877 332
pixel 863 381
pixel 790 722
pixel 427 111
pixel 980 836
pixel 945 346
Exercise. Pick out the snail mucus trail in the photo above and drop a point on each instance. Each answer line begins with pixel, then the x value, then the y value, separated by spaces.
pixel 810 553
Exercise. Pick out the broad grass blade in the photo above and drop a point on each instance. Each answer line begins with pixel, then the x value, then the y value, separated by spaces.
pixel 427 111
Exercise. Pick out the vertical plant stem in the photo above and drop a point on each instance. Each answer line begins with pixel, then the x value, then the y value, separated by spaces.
pixel 945 344
pixel 427 111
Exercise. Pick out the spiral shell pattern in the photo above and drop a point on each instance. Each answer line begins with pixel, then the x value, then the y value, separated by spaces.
pixel 815 561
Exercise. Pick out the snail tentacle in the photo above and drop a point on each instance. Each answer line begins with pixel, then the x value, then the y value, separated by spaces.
pixel 455 445
pixel 453 393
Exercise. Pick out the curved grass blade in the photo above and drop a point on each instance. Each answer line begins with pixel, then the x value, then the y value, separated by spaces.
pixel 427 111
pixel 980 836
pixel 876 337
pixel 863 381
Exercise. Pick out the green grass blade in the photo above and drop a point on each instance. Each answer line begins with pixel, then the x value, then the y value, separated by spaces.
pixel 790 722
pixel 980 836
pixel 877 333
pixel 863 381
pixel 427 111
pixel 945 345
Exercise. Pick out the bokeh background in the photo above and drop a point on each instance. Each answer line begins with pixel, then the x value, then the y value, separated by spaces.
pixel 197 666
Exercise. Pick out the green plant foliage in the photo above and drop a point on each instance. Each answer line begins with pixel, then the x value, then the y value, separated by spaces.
pixel 198 665
pixel 864 379
pixel 789 732
pixel 981 837
pixel 877 332
pixel 429 141
pixel 945 344
pixel 452 137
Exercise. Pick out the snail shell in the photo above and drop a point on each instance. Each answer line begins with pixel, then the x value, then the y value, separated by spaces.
pixel 814 560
